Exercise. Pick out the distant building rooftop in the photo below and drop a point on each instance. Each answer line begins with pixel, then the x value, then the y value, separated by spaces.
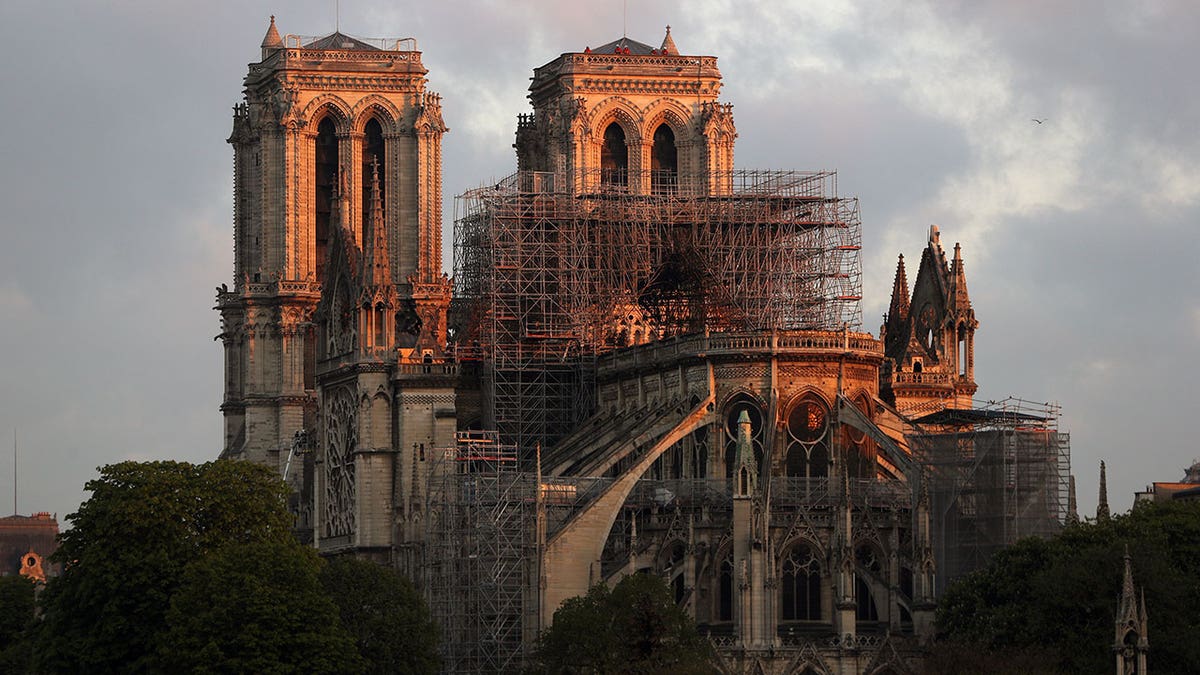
pixel 26 542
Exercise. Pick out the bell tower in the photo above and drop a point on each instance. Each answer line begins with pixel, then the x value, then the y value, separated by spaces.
pixel 630 117
pixel 336 137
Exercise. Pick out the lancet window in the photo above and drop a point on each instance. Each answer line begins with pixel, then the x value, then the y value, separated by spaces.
pixel 868 570
pixel 664 162
pixel 800 585
pixel 372 152
pixel 326 185
pixel 614 156
pixel 808 439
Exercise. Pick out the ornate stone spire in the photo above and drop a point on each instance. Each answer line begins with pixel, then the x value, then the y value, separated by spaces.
pixel 668 45
pixel 898 310
pixel 1102 512
pixel 1072 508
pixel 958 281
pixel 271 41
pixel 1130 643
pixel 377 271
pixel 746 471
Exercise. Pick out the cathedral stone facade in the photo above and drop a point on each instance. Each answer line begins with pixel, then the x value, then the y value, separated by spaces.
pixel 726 423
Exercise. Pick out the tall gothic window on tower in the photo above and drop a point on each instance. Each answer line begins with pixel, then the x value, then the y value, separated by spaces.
pixel 614 157
pixel 326 182
pixel 664 161
pixel 372 151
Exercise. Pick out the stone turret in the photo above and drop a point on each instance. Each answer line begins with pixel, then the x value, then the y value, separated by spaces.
pixel 271 41
pixel 668 45
pixel 1130 642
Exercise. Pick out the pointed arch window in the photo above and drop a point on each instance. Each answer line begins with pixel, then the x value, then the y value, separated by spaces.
pixel 868 572
pixel 808 439
pixel 732 412
pixel 860 450
pixel 800 585
pixel 614 156
pixel 725 589
pixel 664 160
pixel 700 453
pixel 372 152
pixel 326 184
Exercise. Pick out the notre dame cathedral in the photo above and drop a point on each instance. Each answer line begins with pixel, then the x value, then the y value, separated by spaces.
pixel 647 361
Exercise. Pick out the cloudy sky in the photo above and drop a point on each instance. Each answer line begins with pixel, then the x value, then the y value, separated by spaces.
pixel 1081 235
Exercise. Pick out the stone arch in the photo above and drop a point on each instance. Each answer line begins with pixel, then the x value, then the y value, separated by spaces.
pixel 667 111
pixel 331 106
pixel 622 111
pixel 379 108
pixel 572 555
pixel 806 391
pixel 805 539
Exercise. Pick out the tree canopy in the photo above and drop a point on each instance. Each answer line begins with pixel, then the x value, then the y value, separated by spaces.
pixel 256 608
pixel 385 615
pixel 1058 597
pixel 126 552
pixel 16 614
pixel 635 627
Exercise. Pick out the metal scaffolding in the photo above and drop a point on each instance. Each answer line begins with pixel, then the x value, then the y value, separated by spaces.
pixel 549 278
pixel 996 473
pixel 481 554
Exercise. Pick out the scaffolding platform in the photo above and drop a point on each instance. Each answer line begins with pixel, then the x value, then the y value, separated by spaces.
pixel 557 276
pixel 996 473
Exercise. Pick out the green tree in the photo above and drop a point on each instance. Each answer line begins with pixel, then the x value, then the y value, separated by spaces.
pixel 16 614
pixel 1060 596
pixel 387 618
pixel 256 608
pixel 634 628
pixel 127 549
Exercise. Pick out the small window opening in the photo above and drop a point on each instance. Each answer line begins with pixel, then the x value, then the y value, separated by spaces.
pixel 614 156
pixel 663 159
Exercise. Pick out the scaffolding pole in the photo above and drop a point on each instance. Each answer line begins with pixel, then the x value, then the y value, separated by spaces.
pixel 997 473
pixel 480 554
pixel 557 277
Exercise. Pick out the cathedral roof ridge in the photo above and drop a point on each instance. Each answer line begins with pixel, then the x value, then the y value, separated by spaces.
pixel 339 40
pixel 623 43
